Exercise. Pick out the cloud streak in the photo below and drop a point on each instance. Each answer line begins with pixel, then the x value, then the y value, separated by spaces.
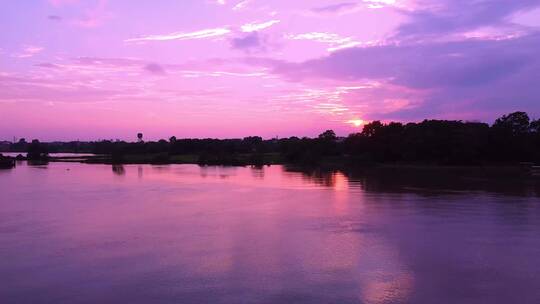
pixel 335 41
pixel 334 8
pixel 29 51
pixel 253 27
pixel 241 5
pixel 201 34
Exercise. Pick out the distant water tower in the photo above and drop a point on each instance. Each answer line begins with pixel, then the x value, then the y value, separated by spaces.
pixel 140 137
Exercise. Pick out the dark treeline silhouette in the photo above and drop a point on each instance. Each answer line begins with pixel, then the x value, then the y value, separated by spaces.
pixel 512 139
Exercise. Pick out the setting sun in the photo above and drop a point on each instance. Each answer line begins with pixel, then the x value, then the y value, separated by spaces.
pixel 356 122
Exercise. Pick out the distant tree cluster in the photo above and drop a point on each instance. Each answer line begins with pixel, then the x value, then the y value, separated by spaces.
pixel 512 138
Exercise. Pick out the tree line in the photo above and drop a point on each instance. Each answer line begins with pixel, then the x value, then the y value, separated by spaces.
pixel 511 138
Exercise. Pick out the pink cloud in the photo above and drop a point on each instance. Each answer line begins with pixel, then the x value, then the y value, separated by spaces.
pixel 28 51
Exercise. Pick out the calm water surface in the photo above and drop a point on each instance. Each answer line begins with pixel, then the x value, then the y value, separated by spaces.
pixel 75 233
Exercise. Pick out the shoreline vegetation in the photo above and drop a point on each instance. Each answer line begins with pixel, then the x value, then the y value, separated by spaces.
pixel 511 143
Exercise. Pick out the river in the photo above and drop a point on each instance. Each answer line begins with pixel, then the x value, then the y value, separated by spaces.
pixel 80 233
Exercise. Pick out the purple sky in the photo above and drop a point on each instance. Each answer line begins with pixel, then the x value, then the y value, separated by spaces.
pixel 95 69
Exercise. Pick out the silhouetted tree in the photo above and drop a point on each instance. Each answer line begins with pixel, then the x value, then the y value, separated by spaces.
pixel 328 135
pixel 534 126
pixel 517 123
pixel 371 129
pixel 508 138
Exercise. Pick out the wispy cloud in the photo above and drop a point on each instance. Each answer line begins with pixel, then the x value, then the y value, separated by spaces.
pixel 28 51
pixel 196 74
pixel 241 5
pixel 335 41
pixel 334 8
pixel 207 33
pixel 48 65
pixel 379 3
pixel 349 7
pixel 253 27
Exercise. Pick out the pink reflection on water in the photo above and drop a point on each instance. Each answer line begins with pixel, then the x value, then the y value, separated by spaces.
pixel 265 230
pixel 213 234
